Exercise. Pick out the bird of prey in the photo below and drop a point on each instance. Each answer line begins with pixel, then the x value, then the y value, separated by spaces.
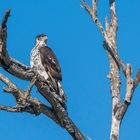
pixel 45 64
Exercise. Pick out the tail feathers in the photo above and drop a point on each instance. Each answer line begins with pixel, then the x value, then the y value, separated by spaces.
pixel 55 94
pixel 61 92
pixel 58 93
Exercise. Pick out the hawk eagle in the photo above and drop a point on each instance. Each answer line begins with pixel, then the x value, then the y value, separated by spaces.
pixel 45 64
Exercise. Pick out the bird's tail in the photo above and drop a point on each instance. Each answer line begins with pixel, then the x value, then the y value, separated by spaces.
pixel 58 92
pixel 61 91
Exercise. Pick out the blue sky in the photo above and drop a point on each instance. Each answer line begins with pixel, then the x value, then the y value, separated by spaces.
pixel 78 45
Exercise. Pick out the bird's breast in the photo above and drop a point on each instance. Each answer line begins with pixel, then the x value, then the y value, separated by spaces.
pixel 35 57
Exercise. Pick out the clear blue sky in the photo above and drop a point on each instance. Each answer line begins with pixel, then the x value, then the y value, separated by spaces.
pixel 78 45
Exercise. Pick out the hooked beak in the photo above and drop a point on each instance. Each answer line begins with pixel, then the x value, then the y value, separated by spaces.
pixel 45 38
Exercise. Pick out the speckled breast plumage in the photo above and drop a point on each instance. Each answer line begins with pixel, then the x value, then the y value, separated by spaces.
pixel 36 64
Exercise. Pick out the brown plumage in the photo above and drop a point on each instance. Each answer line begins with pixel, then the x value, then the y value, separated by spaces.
pixel 50 62
pixel 52 67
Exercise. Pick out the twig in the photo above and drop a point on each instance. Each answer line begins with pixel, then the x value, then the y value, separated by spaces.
pixel 31 86
pixel 6 16
pixel 129 83
pixel 92 13
pixel 94 7
pixel 136 80
pixel 9 109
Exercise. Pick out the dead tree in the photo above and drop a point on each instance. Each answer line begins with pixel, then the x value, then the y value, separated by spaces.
pixel 119 106
pixel 24 101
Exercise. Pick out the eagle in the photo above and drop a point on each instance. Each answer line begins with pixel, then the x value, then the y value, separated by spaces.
pixel 44 63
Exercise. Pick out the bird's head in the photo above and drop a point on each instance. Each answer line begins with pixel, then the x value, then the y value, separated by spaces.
pixel 41 38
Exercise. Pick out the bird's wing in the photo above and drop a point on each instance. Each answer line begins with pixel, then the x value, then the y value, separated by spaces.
pixel 50 62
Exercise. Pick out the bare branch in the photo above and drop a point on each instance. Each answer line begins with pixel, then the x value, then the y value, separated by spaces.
pixel 11 87
pixel 5 19
pixel 106 24
pixel 9 109
pixel 94 6
pixel 136 80
pixel 129 83
pixel 110 31
pixel 25 104
pixel 112 11
pixel 130 87
pixel 113 20
pixel 93 14
pixel 31 86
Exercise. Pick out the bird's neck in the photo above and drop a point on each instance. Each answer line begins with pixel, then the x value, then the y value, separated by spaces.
pixel 40 44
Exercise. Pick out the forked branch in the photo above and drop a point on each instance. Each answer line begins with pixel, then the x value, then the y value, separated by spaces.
pixel 24 103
